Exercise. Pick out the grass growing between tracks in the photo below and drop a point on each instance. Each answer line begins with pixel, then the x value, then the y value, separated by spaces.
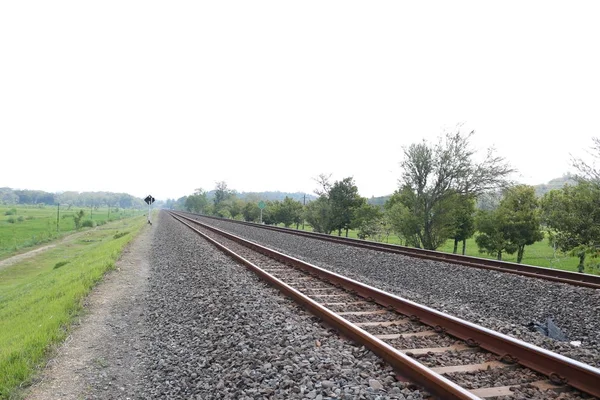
pixel 40 296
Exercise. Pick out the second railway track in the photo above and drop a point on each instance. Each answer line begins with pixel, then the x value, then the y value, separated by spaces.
pixel 550 274
pixel 450 357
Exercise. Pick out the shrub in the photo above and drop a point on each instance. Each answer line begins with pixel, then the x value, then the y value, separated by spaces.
pixel 29 217
pixel 11 220
pixel 20 219
pixel 88 223
pixel 12 211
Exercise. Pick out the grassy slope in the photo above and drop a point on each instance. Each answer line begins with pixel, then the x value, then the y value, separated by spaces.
pixel 38 225
pixel 38 300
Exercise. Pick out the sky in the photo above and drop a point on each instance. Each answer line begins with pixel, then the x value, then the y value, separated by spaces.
pixel 161 98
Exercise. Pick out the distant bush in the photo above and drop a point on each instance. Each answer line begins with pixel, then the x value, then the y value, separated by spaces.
pixel 88 223
pixel 100 222
pixel 20 219
pixel 60 264
pixel 120 234
pixel 11 220
pixel 12 211
pixel 29 217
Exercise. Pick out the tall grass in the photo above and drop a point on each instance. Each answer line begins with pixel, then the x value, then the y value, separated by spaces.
pixel 38 301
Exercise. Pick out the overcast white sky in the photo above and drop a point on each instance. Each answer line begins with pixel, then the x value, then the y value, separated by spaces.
pixel 165 97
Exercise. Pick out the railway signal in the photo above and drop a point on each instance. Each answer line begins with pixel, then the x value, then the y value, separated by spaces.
pixel 149 200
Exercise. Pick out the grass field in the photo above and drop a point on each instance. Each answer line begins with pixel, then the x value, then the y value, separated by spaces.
pixel 22 227
pixel 40 295
pixel 540 254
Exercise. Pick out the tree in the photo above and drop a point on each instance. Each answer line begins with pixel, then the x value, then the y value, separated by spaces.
pixel 514 224
pixel 402 220
pixel 251 212
pixel 522 218
pixel 462 220
pixel 368 220
pixel 573 215
pixel 319 215
pixel 222 193
pixel 492 238
pixel 435 173
pixel 288 212
pixel 197 202
pixel 589 172
pixel 324 185
pixel 344 199
pixel 77 217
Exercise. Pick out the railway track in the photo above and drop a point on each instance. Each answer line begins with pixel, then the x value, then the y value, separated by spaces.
pixel 451 358
pixel 556 275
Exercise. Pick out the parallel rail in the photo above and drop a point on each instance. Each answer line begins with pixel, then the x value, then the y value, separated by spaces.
pixel 557 275
pixel 557 367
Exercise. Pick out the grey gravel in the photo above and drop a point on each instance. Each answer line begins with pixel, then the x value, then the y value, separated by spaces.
pixel 503 302
pixel 217 332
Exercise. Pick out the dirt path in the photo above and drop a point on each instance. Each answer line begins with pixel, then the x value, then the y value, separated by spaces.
pixel 20 257
pixel 99 358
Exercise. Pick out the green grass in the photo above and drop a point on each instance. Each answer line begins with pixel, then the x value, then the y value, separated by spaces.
pixel 40 296
pixel 540 254
pixel 34 225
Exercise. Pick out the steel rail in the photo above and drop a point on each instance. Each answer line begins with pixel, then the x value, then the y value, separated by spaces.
pixel 556 275
pixel 409 368
pixel 559 368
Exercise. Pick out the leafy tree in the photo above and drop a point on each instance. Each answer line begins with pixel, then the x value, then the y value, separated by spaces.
pixel 522 217
pixel 222 193
pixel 462 220
pixel 573 215
pixel 407 216
pixel 492 238
pixel 433 174
pixel 197 202
pixel 251 212
pixel 513 225
pixel 319 215
pixel 288 212
pixel 402 220
pixel 368 220
pixel 268 213
pixel 344 199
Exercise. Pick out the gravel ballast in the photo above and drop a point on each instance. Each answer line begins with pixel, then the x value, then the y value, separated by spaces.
pixel 506 303
pixel 217 332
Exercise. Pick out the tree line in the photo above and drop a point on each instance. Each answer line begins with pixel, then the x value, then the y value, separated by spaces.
pixel 76 199
pixel 446 192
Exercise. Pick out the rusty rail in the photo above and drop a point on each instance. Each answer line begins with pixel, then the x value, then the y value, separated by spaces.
pixel 559 368
pixel 411 369
pixel 556 275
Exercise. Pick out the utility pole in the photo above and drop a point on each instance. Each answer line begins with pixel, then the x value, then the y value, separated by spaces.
pixel 303 210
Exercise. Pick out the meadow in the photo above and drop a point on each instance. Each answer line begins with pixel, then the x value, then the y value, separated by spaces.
pixel 41 295
pixel 22 227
